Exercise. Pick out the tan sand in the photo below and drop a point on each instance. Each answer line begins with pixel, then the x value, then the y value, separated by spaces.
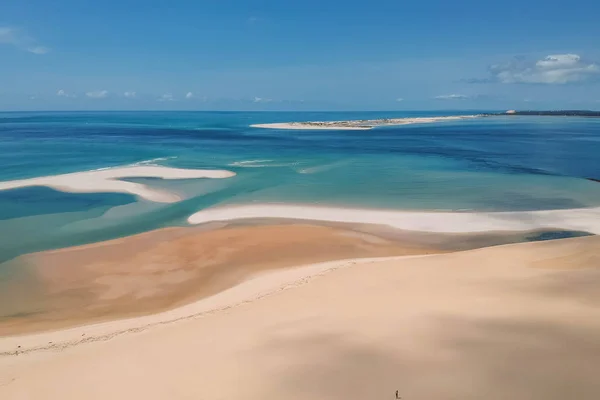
pixel 107 180
pixel 510 322
pixel 160 270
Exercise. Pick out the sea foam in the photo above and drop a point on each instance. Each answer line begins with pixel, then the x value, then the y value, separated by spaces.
pixel 261 164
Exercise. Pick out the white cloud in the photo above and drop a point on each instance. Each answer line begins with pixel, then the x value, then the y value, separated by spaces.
pixel 399 99
pixel 20 40
pixel 98 94
pixel 130 95
pixel 261 100
pixel 63 93
pixel 166 97
pixel 38 50
pixel 6 34
pixel 452 97
pixel 189 95
pixel 559 61
pixel 553 69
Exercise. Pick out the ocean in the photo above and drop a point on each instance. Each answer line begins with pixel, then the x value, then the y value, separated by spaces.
pixel 473 165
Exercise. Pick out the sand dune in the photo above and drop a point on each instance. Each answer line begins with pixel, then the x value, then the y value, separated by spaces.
pixel 510 322
pixel 107 180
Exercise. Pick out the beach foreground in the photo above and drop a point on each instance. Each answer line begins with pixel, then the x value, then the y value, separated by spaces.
pixel 516 321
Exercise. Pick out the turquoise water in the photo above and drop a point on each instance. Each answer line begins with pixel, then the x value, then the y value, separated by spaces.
pixel 496 163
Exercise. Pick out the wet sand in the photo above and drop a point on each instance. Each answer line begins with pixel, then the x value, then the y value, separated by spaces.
pixel 163 269
pixel 167 268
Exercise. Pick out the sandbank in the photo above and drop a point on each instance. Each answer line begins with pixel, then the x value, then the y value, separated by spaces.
pixel 359 124
pixel 581 219
pixel 310 126
pixel 107 180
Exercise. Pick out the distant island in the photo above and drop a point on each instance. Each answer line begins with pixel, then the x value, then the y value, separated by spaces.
pixel 554 113
pixel 365 124
pixel 362 124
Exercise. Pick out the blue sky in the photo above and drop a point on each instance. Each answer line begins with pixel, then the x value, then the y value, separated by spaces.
pixel 317 55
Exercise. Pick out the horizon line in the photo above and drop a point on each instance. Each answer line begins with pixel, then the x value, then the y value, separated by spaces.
pixel 267 111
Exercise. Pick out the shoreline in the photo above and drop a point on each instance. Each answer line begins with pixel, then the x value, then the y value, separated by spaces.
pixel 164 269
pixel 108 180
pixel 359 124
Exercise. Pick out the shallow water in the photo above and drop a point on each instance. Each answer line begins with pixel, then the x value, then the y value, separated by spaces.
pixel 487 164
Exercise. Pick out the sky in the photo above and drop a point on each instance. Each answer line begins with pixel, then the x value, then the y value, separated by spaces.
pixel 299 55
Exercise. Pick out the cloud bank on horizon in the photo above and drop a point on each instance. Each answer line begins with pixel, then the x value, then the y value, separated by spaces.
pixel 553 69
pixel 64 93
pixel 453 96
pixel 97 94
pixel 556 69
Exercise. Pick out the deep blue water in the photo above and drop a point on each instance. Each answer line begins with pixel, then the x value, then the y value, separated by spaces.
pixel 497 163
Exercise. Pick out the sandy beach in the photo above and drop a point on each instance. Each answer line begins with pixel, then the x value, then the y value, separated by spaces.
pixel 516 321
pixel 108 180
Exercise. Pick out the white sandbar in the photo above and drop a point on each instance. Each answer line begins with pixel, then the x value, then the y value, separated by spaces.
pixel 359 124
pixel 310 126
pixel 582 219
pixel 107 180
